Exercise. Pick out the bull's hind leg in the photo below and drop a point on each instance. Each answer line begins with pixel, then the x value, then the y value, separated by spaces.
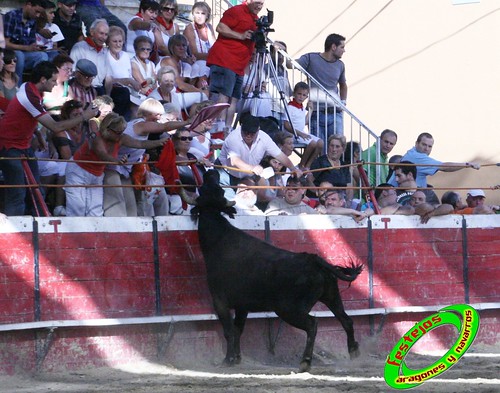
pixel 240 318
pixel 307 323
pixel 333 301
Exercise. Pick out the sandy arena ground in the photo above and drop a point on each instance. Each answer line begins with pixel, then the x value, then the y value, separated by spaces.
pixel 477 371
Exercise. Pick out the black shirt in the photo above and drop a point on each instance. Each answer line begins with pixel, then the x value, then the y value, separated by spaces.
pixel 71 31
pixel 338 177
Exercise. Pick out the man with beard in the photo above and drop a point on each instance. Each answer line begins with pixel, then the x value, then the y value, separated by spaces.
pixel 69 22
pixel 19 125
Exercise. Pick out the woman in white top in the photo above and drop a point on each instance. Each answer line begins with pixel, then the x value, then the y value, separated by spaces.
pixel 143 69
pixel 181 62
pixel 167 92
pixel 201 144
pixel 119 64
pixel 166 25
pixel 144 24
pixel 201 36
pixel 120 202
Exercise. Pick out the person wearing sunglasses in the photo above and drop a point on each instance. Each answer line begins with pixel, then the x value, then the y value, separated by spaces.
pixel 100 150
pixel 143 69
pixel 121 202
pixel 8 77
pixel 166 24
pixel 190 168
pixel 144 24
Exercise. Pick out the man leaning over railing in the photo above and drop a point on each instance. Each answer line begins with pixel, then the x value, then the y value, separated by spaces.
pixel 18 126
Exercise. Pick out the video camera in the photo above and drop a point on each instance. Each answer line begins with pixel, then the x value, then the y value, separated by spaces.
pixel 263 27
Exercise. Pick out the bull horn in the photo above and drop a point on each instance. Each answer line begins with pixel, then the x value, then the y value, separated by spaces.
pixel 230 203
pixel 184 196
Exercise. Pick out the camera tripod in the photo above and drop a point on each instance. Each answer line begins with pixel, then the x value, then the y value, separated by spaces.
pixel 263 70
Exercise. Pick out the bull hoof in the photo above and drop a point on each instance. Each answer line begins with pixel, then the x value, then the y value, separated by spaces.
pixel 354 351
pixel 229 362
pixel 305 366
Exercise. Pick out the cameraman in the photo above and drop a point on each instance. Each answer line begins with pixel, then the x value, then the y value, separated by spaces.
pixel 231 53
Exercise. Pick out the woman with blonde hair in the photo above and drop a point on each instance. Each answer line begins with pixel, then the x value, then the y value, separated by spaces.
pixel 97 152
pixel 121 202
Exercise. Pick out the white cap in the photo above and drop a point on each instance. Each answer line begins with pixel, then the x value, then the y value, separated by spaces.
pixel 476 193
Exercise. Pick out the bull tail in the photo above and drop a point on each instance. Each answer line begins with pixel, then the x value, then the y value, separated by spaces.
pixel 344 273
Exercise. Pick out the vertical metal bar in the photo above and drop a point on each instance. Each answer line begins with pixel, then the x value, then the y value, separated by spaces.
pixel 267 231
pixel 36 271
pixel 371 303
pixel 156 261
pixel 465 256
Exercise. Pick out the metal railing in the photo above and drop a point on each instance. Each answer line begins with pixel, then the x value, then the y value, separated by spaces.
pixel 324 103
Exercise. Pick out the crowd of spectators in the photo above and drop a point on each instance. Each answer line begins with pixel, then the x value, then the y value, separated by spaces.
pixel 94 104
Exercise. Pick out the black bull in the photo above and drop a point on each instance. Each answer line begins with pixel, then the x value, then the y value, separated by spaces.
pixel 249 275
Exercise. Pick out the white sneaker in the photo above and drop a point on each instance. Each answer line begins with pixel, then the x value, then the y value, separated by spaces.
pixel 59 211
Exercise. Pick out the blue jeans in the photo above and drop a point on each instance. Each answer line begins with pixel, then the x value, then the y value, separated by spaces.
pixel 13 173
pixel 323 127
pixel 27 60
pixel 89 13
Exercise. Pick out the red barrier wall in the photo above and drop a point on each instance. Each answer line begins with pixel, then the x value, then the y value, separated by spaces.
pixel 88 269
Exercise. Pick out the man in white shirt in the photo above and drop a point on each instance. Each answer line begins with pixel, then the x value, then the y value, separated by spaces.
pixel 93 49
pixel 243 149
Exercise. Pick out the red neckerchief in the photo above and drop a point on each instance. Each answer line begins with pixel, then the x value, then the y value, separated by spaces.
pixel 91 42
pixel 196 174
pixel 161 20
pixel 296 104
pixel 139 14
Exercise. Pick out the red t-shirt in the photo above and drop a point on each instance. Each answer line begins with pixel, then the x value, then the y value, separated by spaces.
pixel 20 120
pixel 229 52
pixel 86 154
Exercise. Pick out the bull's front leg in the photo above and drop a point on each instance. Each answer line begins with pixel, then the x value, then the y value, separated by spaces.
pixel 224 314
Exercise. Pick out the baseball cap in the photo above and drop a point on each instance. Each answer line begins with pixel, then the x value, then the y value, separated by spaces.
pixel 67 2
pixel 86 67
pixel 476 193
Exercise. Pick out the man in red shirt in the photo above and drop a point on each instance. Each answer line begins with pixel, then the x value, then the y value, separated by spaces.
pixel 18 126
pixel 231 53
